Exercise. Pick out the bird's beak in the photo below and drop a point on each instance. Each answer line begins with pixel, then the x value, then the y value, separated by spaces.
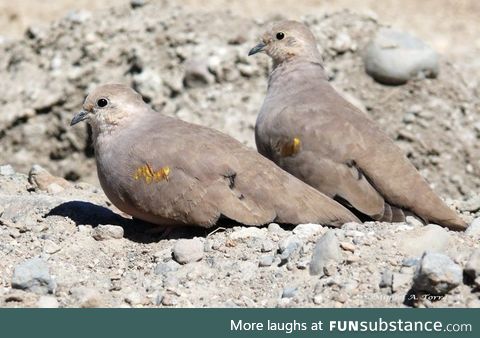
pixel 258 48
pixel 80 116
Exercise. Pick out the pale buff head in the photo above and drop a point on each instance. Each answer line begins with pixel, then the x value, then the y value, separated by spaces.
pixel 286 41
pixel 108 106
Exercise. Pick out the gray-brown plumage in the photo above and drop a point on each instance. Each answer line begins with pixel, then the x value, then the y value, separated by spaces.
pixel 311 131
pixel 168 172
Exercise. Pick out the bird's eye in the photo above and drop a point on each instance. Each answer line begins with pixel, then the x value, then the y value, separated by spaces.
pixel 280 35
pixel 102 102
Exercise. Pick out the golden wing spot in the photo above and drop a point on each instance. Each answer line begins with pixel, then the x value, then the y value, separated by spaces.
pixel 149 175
pixel 291 148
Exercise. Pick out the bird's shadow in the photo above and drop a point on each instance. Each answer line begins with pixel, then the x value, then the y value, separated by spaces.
pixel 87 213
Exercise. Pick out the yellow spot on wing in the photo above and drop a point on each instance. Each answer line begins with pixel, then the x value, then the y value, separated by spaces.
pixel 149 175
pixel 291 148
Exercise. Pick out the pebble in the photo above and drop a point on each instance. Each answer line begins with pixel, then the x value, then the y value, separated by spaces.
pixel 474 229
pixel 40 178
pixel 275 228
pixel 472 268
pixel 268 246
pixel 418 240
pixel 134 298
pixel 305 231
pixel 197 74
pixel 289 292
pixel 33 275
pixel 107 231
pixel 188 250
pixel 347 246
pixel 394 57
pixel 386 279
pixel 6 170
pixel 248 232
pixel 288 246
pixel 47 302
pixel 137 3
pixel 318 299
pixel 326 250
pixel 50 247
pixel 266 261
pixel 164 268
pixel 86 297
pixel 437 274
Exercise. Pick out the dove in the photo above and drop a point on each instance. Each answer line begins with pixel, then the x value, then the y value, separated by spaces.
pixel 307 128
pixel 168 172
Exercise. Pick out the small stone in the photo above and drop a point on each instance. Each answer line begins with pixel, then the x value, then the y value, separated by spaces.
pixel 169 300
pixel 289 292
pixel 134 298
pixel 274 228
pixel 288 246
pixel 303 263
pixel 248 232
pixel 394 57
pixel 268 246
pixel 326 250
pixel 474 229
pixel 330 269
pixel 40 178
pixel 86 297
pixel 387 279
pixel 266 261
pixel 318 299
pixel 343 43
pixel 188 250
pixel 33 275
pixel 137 3
pixel 472 268
pixel 50 247
pixel 418 240
pixel 107 231
pixel 47 302
pixel 347 246
pixel 197 74
pixel 305 231
pixel 437 274
pixel 6 170
pixel 351 258
pixel 165 268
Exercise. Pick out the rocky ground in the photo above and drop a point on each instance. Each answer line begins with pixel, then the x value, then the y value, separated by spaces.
pixel 63 244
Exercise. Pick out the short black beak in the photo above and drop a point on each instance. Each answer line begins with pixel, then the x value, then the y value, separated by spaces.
pixel 80 116
pixel 258 48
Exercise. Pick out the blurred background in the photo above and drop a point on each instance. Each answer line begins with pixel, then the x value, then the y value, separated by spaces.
pixel 450 26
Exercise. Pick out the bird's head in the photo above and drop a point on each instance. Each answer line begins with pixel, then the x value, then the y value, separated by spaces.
pixel 108 105
pixel 287 40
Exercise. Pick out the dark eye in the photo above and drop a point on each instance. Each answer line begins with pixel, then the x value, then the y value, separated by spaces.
pixel 280 35
pixel 102 103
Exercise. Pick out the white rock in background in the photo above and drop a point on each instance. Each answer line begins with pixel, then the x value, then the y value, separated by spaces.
pixel 394 57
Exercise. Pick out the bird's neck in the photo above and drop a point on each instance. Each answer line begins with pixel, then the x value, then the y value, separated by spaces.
pixel 295 73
